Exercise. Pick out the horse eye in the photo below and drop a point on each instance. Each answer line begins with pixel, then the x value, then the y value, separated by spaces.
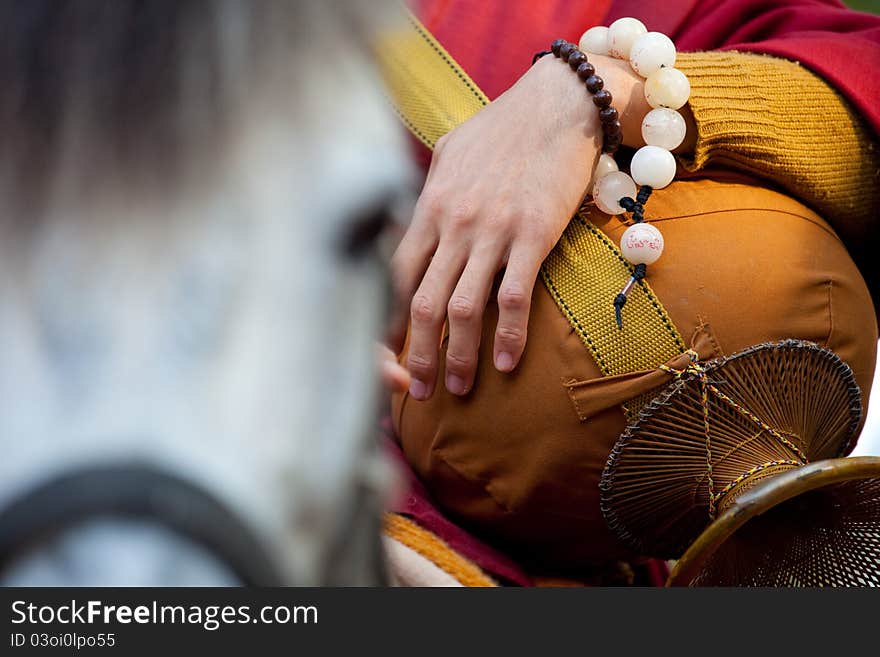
pixel 361 236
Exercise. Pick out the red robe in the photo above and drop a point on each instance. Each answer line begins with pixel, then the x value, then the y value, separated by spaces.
pixel 494 40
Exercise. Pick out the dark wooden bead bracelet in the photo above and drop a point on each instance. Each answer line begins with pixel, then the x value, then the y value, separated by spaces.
pixel 608 116
pixel 575 59
pixel 585 70
pixel 612 138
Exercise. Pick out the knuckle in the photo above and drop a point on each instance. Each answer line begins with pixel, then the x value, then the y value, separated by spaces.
pixel 533 227
pixel 512 296
pixel 461 309
pixel 458 363
pixel 533 232
pixel 420 364
pixel 423 311
pixel 499 223
pixel 431 202
pixel 531 216
pixel 511 335
pixel 461 217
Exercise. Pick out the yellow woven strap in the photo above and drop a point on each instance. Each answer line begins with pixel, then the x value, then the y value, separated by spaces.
pixel 584 273
pixel 432 95
pixel 430 91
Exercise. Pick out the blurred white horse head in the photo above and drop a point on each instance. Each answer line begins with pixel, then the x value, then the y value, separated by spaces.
pixel 189 191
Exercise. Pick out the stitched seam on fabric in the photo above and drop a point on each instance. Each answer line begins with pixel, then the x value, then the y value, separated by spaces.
pixel 580 414
pixel 706 328
pixel 815 223
pixel 661 312
pixel 409 124
pixel 667 322
pixel 452 65
pixel 830 313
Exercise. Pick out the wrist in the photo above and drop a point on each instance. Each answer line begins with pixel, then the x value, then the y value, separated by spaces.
pixel 628 91
pixel 559 95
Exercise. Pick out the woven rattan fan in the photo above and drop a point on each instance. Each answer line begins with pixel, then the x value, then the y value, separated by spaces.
pixel 738 437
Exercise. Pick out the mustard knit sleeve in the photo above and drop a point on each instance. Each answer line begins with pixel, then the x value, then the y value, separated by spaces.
pixel 776 119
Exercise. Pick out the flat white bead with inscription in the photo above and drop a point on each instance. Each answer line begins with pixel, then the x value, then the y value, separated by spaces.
pixel 654 166
pixel 651 51
pixel 595 40
pixel 667 87
pixel 622 33
pixel 663 127
pixel 612 187
pixel 604 166
pixel 641 244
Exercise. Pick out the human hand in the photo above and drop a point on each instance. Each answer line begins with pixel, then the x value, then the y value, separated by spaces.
pixel 394 376
pixel 500 191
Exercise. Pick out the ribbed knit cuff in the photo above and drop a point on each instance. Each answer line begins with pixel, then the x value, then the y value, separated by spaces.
pixel 776 119
pixel 735 102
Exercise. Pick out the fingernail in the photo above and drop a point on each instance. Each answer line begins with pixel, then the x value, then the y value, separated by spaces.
pixel 418 389
pixel 455 384
pixel 504 362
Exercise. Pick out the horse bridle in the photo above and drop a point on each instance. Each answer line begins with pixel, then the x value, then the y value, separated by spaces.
pixel 140 491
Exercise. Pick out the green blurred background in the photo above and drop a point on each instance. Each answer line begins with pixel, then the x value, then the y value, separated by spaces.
pixel 865 5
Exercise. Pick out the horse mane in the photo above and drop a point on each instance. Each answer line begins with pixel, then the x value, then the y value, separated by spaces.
pixel 148 96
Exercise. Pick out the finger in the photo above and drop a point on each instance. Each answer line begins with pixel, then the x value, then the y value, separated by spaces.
pixel 427 314
pixel 394 376
pixel 413 255
pixel 408 266
pixel 514 303
pixel 465 312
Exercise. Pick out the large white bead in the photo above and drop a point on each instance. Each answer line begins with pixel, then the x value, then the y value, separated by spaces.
pixel 654 166
pixel 667 87
pixel 610 189
pixel 604 166
pixel 595 40
pixel 664 128
pixel 622 33
pixel 651 51
pixel 641 244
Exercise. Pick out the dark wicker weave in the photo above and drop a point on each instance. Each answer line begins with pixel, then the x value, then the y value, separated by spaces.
pixel 817 526
pixel 656 485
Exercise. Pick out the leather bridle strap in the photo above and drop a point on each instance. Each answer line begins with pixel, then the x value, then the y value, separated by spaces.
pixel 134 491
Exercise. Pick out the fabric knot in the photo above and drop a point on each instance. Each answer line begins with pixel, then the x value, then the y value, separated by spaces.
pixel 694 367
